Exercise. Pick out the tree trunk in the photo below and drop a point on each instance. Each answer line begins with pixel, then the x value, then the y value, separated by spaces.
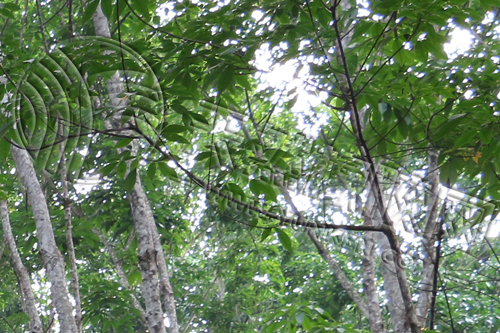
pixel 344 281
pixel 370 285
pixel 52 259
pixel 151 258
pixel 75 283
pixel 165 287
pixel 21 272
pixel 119 271
pixel 429 237
pixel 147 255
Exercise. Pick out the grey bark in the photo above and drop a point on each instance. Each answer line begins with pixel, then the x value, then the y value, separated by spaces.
pixel 165 287
pixel 119 271
pixel 21 271
pixel 344 281
pixel 429 238
pixel 151 258
pixel 52 258
pixel 388 268
pixel 395 282
pixel 147 254
pixel 391 283
pixel 75 283
pixel 370 285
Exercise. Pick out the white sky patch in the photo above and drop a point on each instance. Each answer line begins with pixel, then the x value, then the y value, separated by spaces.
pixel 166 12
pixel 469 94
pixel 461 41
pixel 339 218
pixel 302 202
pixel 363 8
pixel 258 14
pixel 493 230
pixel 262 278
pixel 85 185
pixel 286 77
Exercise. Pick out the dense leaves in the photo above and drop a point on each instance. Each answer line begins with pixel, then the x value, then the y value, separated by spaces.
pixel 244 115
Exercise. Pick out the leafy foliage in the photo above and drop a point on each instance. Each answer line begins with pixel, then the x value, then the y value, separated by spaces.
pixel 223 141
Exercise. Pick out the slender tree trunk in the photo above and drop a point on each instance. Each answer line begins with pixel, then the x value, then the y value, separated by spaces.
pixel 370 285
pixel 387 266
pixel 52 258
pixel 344 281
pixel 165 287
pixel 151 257
pixel 21 272
pixel 119 271
pixel 391 285
pixel 428 240
pixel 394 275
pixel 75 283
pixel 147 255
pixel 368 265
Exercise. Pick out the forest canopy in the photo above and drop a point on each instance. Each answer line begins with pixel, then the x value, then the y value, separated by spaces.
pixel 242 166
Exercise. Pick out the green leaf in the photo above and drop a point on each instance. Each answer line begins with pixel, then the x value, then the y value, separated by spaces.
pixel 352 62
pixel 223 202
pixel 181 109
pixel 108 168
pixel 4 149
pixel 7 13
pixel 175 137
pixel 5 128
pixel 167 171
pixel 280 163
pixel 134 278
pixel 266 233
pixel 306 324
pixel 175 129
pixel 121 169
pixel 236 190
pixel 186 79
pixel 485 135
pixel 130 180
pixel 152 171
pixel 226 79
pixel 448 173
pixel 259 187
pixel 285 240
pixel 198 117
pixel 141 7
pixel 203 156
pixel 465 139
pixel 89 11
pixel 11 6
pixel 123 142
pixel 107 8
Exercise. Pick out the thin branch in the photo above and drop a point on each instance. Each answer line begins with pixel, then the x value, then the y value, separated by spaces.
pixel 436 269
pixel 42 26
pixel 492 250
pixel 387 61
pixel 56 13
pixel 387 224
pixel 448 306
pixel 75 283
pixel 280 218
pixel 120 272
